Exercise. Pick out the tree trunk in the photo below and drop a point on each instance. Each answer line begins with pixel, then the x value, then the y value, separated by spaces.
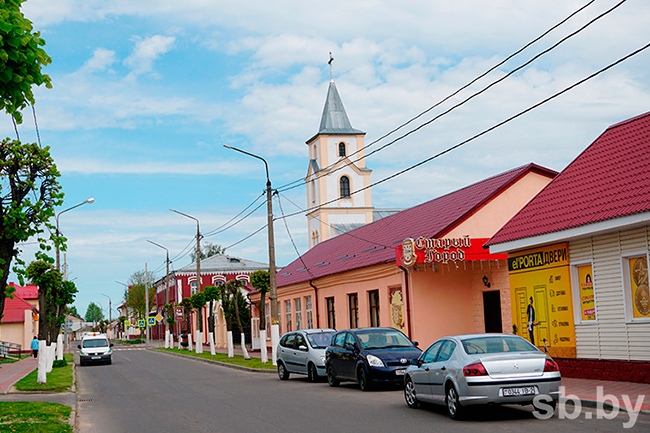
pixel 6 254
pixel 262 309
pixel 241 328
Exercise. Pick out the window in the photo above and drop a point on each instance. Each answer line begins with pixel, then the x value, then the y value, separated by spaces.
pixel 313 191
pixel 298 313
pixel 193 288
pixel 331 314
pixel 638 294
pixel 339 339
pixel 345 186
pixel 290 341
pixel 446 351
pixel 314 237
pixel 308 314
pixel 432 352
pixel 341 149
pixel 373 297
pixel 350 341
pixel 287 313
pixel 353 303
pixel 300 342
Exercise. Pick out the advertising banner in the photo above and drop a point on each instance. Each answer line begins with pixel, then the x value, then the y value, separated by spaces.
pixel 542 307
pixel 639 286
pixel 443 250
pixel 587 304
pixel 396 308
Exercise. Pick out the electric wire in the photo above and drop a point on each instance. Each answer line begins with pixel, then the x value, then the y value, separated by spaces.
pixel 291 238
pixel 247 237
pixel 219 229
pixel 299 182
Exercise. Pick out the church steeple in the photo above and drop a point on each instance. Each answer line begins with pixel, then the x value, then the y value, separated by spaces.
pixel 332 177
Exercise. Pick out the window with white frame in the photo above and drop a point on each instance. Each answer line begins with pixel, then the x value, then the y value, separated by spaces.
pixel 193 287
pixel 287 315
pixel 298 306
pixel 637 294
pixel 308 313
pixel 584 299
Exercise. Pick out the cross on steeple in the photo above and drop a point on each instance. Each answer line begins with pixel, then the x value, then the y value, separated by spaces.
pixel 330 63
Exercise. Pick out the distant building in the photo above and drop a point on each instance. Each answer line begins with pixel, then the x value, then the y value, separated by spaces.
pixel 20 322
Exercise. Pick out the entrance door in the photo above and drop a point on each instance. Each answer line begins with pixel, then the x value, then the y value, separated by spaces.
pixel 492 311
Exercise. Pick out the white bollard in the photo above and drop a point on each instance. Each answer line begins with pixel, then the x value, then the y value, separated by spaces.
pixel 275 339
pixel 166 339
pixel 49 360
pixel 231 349
pixel 199 342
pixel 264 354
pixel 59 347
pixel 211 340
pixel 189 341
pixel 243 346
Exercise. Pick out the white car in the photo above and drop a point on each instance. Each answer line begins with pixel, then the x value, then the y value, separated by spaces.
pixel 303 352
pixel 95 348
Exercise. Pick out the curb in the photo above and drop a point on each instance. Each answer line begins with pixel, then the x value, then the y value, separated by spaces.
pixel 595 404
pixel 223 364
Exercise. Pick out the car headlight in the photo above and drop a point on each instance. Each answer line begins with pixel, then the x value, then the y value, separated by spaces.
pixel 373 361
pixel 322 359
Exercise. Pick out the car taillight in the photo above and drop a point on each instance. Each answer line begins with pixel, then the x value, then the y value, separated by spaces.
pixel 551 365
pixel 474 370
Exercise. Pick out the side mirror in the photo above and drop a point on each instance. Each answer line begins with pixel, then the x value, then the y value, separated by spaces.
pixel 416 344
pixel 78 346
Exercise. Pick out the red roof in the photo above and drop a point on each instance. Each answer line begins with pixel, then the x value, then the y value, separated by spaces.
pixel 30 291
pixel 375 243
pixel 609 179
pixel 14 311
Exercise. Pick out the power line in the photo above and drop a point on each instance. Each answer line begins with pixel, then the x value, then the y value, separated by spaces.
pixel 299 182
pixel 291 237
pixel 485 131
pixel 247 237
pixel 218 229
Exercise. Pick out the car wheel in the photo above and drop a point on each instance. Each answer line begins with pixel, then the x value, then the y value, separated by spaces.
pixel 454 408
pixel 282 371
pixel 362 378
pixel 312 375
pixel 333 381
pixel 409 394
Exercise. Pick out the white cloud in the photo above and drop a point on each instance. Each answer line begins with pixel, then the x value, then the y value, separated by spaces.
pixel 101 60
pixel 95 166
pixel 146 51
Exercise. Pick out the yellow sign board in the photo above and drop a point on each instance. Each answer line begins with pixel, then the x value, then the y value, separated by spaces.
pixel 587 304
pixel 542 307
pixel 639 286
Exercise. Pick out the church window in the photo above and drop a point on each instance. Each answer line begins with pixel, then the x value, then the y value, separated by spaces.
pixel 313 191
pixel 341 149
pixel 345 187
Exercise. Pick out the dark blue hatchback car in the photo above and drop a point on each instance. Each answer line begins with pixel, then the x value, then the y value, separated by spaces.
pixel 369 356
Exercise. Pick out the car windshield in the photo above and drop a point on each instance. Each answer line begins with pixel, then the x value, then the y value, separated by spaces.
pixel 97 342
pixel 320 340
pixel 496 344
pixel 383 339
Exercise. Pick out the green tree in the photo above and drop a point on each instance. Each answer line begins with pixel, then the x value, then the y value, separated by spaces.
pixel 54 295
pixel 93 313
pixel 198 301
pixel 261 281
pixel 72 310
pixel 208 249
pixel 212 294
pixel 135 295
pixel 29 191
pixel 21 59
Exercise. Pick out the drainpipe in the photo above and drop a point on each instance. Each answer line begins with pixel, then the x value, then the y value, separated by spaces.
pixel 316 304
pixel 408 299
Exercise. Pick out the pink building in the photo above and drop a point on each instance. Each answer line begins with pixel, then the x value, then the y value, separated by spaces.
pixel 20 322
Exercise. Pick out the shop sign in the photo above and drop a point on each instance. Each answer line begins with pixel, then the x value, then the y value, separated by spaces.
pixel 396 308
pixel 541 299
pixel 178 312
pixel 587 304
pixel 443 250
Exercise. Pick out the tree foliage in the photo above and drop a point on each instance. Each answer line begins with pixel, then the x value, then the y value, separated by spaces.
pixel 198 301
pixel 261 280
pixel 54 296
pixel 29 191
pixel 235 307
pixel 212 294
pixel 135 294
pixel 72 310
pixel 21 59
pixel 208 249
pixel 94 313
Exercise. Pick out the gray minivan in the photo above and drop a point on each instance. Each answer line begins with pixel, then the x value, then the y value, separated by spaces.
pixel 303 352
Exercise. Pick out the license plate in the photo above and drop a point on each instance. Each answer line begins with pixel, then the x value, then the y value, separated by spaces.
pixel 514 392
pixel 95 357
pixel 400 372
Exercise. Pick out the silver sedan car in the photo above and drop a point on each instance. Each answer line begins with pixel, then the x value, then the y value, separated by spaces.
pixel 465 370
pixel 303 352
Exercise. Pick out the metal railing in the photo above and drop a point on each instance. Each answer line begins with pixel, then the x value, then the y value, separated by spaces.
pixel 10 350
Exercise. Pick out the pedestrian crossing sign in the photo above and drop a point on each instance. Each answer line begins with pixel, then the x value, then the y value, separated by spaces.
pixel 141 323
pixel 151 321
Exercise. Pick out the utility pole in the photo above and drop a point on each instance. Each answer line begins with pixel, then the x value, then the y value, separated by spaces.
pixel 146 302
pixel 167 330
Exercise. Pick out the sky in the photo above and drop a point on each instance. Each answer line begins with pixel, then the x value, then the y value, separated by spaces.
pixel 146 93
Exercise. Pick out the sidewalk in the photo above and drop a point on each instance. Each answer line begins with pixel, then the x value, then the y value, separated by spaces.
pixel 12 373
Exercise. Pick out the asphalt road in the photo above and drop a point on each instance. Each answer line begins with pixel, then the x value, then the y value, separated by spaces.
pixel 148 391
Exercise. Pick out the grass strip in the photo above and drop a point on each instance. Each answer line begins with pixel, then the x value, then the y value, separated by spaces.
pixel 58 380
pixel 222 357
pixel 24 416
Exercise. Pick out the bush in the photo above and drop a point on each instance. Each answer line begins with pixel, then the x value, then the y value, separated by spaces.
pixel 59 363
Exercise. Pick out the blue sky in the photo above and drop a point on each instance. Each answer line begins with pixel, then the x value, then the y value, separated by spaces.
pixel 146 93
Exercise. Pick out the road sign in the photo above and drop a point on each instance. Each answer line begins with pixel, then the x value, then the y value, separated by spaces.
pixel 151 321
pixel 127 323
pixel 159 318
pixel 141 323
pixel 178 312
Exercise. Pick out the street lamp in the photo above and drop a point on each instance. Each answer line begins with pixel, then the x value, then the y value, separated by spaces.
pixel 273 291
pixel 198 251
pixel 166 291
pixel 58 232
pixel 110 316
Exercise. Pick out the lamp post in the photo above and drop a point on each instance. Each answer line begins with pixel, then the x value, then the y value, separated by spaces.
pixel 166 291
pixel 273 291
pixel 110 316
pixel 126 304
pixel 58 232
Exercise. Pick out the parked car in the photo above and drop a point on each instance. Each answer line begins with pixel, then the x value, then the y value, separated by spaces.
pixel 466 370
pixel 95 348
pixel 303 352
pixel 369 356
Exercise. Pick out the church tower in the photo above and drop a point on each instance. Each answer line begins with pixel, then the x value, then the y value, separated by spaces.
pixel 337 168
